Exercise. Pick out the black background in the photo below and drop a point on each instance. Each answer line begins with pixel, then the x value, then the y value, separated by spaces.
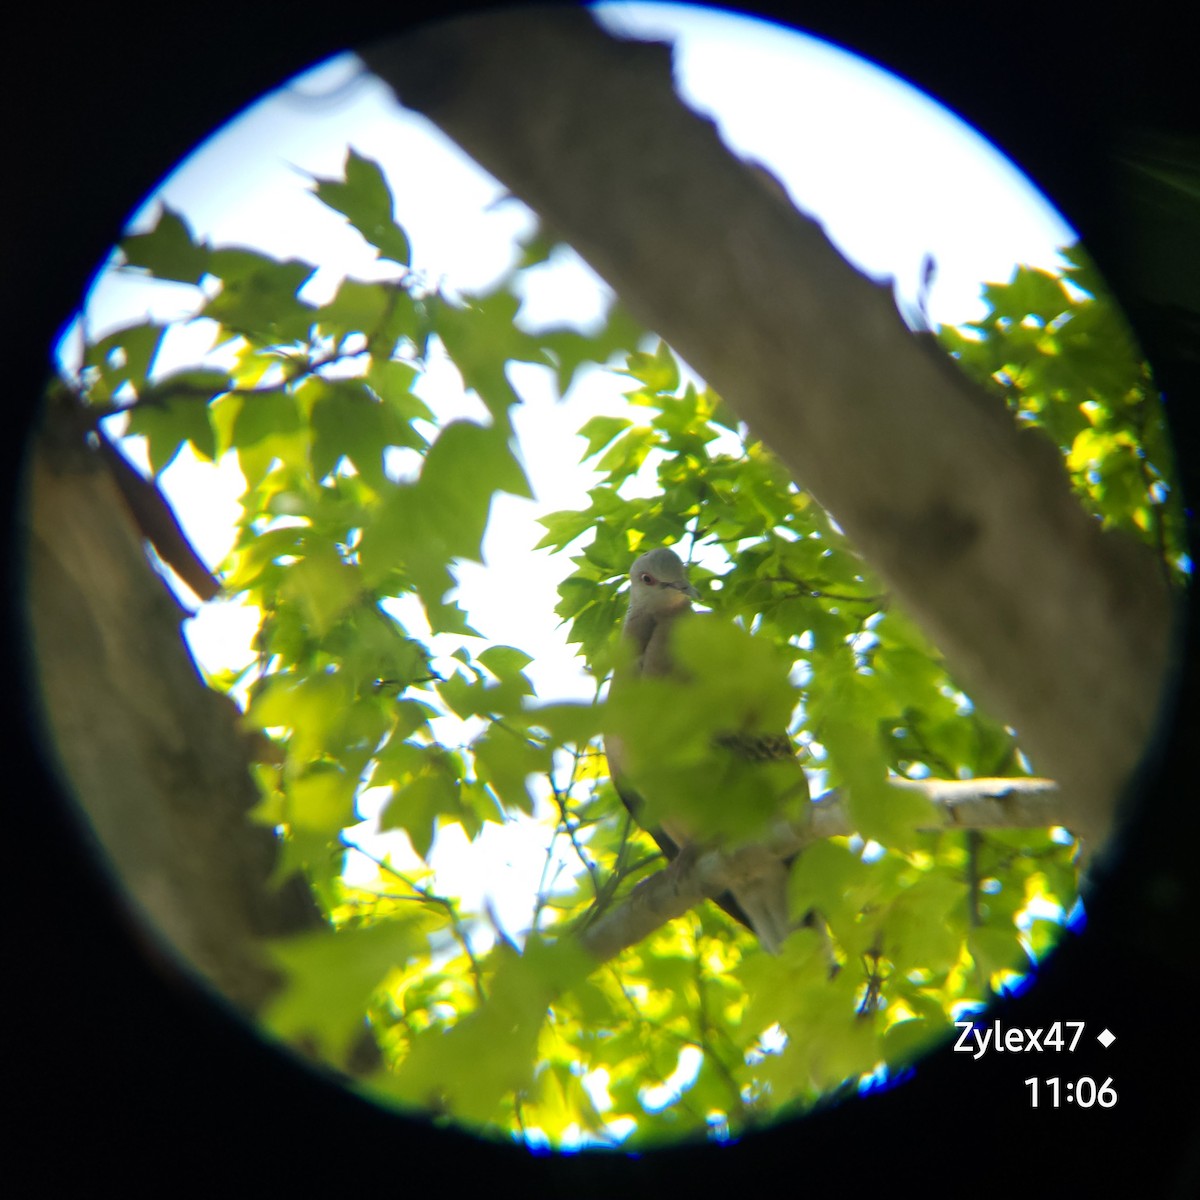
pixel 123 1073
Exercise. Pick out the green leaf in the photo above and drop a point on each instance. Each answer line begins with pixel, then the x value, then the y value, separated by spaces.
pixel 599 431
pixel 419 806
pixel 1044 935
pixel 481 339
pixel 906 1041
pixel 411 716
pixel 506 661
pixel 426 789
pixel 321 801
pixel 473 698
pixel 563 528
pixel 505 760
pixel 331 976
pixel 921 930
pixel 677 736
pixel 400 548
pixel 348 422
pixel 658 371
pixel 536 248
pixel 168 251
pixel 566 723
pixel 259 296
pixel 377 654
pixel 392 382
pixel 626 455
pixel 1031 292
pixel 269 417
pixel 490 1055
pixel 465 467
pixel 826 877
pixel 355 308
pixel 311 706
pixel 365 200
pixel 323 585
pixel 257 553
pixel 124 356
pixel 995 949
pixel 167 424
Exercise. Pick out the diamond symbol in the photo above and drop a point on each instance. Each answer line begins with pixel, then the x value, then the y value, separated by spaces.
pixel 1105 1038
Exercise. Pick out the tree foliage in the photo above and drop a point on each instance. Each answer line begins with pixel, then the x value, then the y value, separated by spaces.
pixel 360 501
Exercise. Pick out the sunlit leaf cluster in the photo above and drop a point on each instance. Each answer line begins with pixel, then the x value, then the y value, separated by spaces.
pixel 369 681
pixel 1068 365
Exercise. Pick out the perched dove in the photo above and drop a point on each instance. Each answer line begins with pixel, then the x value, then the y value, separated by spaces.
pixel 659 595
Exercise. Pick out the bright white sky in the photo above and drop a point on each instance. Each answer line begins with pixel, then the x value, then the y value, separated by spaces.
pixel 891 175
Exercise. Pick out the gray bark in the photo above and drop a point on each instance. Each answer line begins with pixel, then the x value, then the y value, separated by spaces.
pixel 153 757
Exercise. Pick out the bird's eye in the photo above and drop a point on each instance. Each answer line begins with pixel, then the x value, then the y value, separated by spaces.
pixel 647 578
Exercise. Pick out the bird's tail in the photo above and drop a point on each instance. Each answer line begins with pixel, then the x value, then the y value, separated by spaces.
pixel 765 901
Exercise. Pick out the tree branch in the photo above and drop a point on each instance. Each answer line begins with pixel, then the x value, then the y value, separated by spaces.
pixel 157 521
pixel 155 758
pixel 1059 629
pixel 961 804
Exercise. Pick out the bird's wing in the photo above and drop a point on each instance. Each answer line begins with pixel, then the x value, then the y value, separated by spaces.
pixel 634 804
pixel 762 905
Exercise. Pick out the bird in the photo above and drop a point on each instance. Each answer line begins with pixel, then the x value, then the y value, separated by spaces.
pixel 660 595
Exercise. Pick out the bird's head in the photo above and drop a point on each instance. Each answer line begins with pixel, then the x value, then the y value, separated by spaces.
pixel 658 583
